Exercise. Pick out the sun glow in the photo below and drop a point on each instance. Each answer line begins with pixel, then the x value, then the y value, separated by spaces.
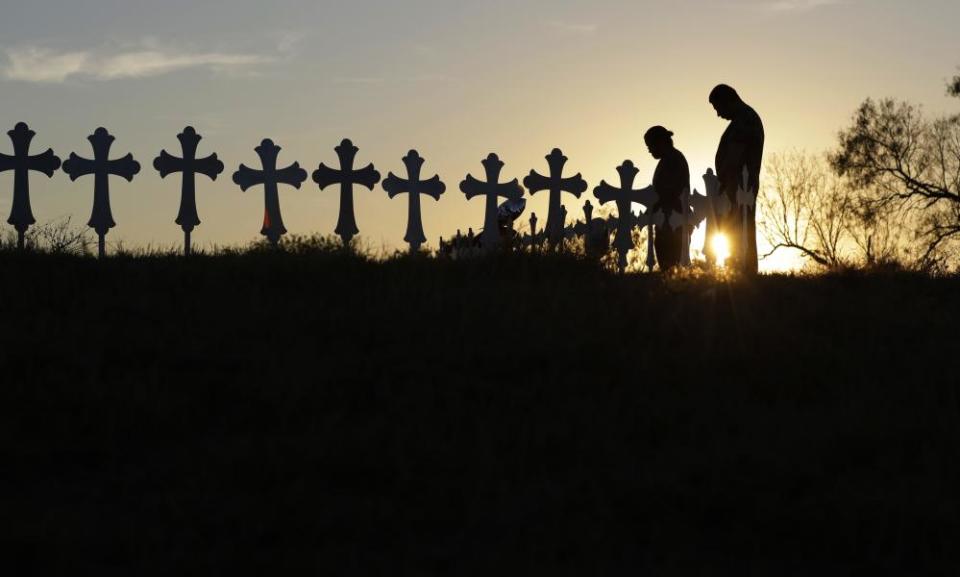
pixel 721 248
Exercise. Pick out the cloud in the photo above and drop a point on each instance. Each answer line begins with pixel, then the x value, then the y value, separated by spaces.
pixel 289 41
pixel 797 5
pixel 154 63
pixel 38 65
pixel 573 28
pixel 358 80
pixel 33 64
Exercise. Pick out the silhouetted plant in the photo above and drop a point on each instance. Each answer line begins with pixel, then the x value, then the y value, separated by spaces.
pixel 883 235
pixel 54 237
pixel 312 244
pixel 903 162
pixel 831 222
pixel 804 209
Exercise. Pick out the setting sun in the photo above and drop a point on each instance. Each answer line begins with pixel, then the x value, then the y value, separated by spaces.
pixel 721 248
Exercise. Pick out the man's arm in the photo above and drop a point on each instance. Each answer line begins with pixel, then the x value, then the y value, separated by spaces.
pixel 733 159
pixel 674 179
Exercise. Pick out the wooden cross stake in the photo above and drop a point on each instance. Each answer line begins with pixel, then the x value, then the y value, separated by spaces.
pixel 346 177
pixel 190 166
pixel 102 168
pixel 623 197
pixel 270 177
pixel 414 187
pixel 491 190
pixel 557 185
pixel 21 163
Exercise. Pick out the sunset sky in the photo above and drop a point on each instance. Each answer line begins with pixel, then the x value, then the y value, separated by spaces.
pixel 454 79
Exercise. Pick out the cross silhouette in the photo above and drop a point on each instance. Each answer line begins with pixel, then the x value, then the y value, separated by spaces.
pixel 557 185
pixel 624 196
pixel 580 229
pixel 270 177
pixel 718 206
pixel 746 199
pixel 346 177
pixel 695 208
pixel 491 189
pixel 595 232
pixel 189 165
pixel 21 163
pixel 532 239
pixel 101 167
pixel 534 235
pixel 719 202
pixel 649 220
pixel 414 187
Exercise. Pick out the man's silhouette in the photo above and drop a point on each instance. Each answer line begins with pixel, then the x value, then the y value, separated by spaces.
pixel 671 180
pixel 740 146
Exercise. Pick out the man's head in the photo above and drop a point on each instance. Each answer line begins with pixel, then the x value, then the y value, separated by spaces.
pixel 725 101
pixel 659 141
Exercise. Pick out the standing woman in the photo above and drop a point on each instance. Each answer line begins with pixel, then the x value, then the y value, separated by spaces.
pixel 671 180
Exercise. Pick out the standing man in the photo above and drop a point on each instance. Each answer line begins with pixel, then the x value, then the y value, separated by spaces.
pixel 671 180
pixel 740 146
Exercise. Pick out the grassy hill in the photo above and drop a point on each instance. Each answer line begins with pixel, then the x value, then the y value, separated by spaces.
pixel 319 412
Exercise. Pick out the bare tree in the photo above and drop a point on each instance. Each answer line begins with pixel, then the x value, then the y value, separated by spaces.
pixel 909 164
pixel 882 234
pixel 805 208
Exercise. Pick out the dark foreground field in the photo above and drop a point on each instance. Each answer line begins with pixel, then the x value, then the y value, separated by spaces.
pixel 279 415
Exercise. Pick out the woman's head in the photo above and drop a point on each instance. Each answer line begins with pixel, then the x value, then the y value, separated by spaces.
pixel 659 141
